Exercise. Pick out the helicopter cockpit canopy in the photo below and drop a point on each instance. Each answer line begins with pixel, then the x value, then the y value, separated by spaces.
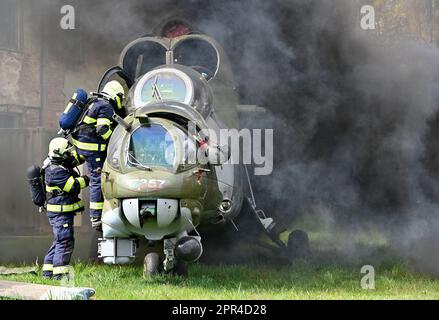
pixel 195 51
pixel 165 141
pixel 151 146
pixel 164 84
pixel 177 83
pixel 161 63
pixel 143 56
pixel 198 54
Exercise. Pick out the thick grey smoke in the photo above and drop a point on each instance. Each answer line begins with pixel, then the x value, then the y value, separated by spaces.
pixel 351 111
pixel 354 113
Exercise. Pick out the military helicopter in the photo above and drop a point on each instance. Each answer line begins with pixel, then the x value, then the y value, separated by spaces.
pixel 173 80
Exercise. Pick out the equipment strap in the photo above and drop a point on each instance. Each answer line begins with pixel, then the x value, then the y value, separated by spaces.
pixel 80 104
pixel 79 123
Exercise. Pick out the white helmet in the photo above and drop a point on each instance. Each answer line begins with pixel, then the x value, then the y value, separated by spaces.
pixel 115 91
pixel 58 147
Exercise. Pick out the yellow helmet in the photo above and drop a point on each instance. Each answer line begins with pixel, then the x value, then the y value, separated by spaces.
pixel 116 92
pixel 58 147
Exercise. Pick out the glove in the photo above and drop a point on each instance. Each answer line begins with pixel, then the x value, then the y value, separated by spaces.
pixel 96 224
pixel 102 130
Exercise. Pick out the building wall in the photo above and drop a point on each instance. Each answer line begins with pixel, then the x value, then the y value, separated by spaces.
pixel 406 19
pixel 40 74
pixel 20 67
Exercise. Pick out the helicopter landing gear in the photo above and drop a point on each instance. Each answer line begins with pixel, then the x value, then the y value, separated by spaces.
pixel 152 265
pixel 155 265
pixel 169 250
pixel 172 263
pixel 298 241
pixel 180 268
pixel 298 245
pixel 267 225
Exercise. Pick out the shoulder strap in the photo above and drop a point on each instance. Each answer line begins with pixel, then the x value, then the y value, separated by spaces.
pixel 80 104
pixel 89 102
pixel 81 118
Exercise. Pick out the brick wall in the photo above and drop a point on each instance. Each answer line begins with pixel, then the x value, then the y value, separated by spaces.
pixel 19 83
pixel 54 74
pixel 31 118
pixel 20 88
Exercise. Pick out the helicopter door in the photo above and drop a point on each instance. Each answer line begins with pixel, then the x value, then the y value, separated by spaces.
pixel 199 54
pixel 118 74
pixel 143 55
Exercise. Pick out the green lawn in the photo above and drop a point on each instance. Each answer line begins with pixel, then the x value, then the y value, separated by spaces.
pixel 309 280
pixel 333 272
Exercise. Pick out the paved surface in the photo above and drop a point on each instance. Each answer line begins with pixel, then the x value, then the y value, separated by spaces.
pixel 10 271
pixel 28 291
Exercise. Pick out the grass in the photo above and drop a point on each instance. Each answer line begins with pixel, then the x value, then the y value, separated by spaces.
pixel 306 280
pixel 333 272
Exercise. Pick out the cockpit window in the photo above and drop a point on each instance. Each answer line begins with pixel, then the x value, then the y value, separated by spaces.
pixel 166 84
pixel 143 57
pixel 151 146
pixel 198 54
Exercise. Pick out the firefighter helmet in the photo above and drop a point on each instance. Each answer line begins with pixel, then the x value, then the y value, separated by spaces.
pixel 58 147
pixel 115 91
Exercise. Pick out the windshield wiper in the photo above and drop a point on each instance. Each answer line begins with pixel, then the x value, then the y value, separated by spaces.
pixel 155 89
pixel 138 163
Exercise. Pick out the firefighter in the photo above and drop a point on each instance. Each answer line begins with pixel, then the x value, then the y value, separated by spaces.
pixel 63 185
pixel 91 138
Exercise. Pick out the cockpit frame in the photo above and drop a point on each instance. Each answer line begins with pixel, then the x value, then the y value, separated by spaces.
pixel 169 45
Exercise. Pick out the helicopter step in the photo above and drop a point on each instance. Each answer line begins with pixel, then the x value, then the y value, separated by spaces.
pixel 297 246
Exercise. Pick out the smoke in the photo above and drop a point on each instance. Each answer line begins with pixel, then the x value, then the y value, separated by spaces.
pixel 354 112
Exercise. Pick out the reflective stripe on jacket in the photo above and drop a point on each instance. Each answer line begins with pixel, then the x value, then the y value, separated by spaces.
pixel 64 186
pixel 100 113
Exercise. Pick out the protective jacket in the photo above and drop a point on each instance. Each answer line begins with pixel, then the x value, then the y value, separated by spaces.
pixel 63 185
pixel 96 127
pixel 91 140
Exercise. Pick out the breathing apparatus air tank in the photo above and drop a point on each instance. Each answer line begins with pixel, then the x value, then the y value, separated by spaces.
pixel 69 118
pixel 36 185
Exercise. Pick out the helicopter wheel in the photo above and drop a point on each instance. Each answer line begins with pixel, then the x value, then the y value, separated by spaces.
pixel 298 245
pixel 180 269
pixel 151 266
